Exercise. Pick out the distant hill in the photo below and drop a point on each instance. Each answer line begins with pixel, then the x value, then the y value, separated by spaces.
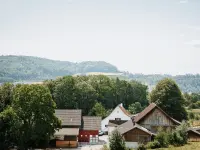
pixel 19 68
pixel 187 83
pixel 28 68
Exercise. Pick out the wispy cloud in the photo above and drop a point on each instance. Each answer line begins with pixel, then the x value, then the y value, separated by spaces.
pixel 183 1
pixel 194 43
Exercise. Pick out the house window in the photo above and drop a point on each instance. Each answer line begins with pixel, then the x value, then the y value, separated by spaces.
pixel 117 119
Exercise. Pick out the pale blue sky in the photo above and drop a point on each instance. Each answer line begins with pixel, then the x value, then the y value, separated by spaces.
pixel 139 36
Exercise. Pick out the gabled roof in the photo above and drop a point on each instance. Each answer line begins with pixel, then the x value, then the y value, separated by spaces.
pixel 149 109
pixel 124 110
pixel 115 123
pixel 69 117
pixel 91 123
pixel 129 125
pixel 194 131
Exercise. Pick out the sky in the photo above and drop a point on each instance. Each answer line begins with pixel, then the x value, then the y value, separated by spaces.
pixel 139 36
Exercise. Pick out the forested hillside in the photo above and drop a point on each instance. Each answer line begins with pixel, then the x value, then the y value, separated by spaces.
pixel 187 83
pixel 26 68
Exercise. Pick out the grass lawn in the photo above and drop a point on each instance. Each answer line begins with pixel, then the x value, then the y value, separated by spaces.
pixel 189 146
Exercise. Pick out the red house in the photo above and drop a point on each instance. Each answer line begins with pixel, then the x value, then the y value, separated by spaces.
pixel 90 129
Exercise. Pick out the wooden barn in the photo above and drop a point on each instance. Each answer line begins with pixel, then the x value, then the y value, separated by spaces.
pixel 193 135
pixel 144 126
pixel 67 137
pixel 90 129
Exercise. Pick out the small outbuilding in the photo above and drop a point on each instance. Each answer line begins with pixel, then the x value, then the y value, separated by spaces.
pixel 89 132
pixel 67 137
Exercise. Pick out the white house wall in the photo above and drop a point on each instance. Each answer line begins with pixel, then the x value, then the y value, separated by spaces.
pixel 116 113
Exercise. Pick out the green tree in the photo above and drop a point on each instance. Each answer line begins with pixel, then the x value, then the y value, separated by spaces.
pixel 64 93
pixel 7 137
pixel 6 93
pixel 168 96
pixel 98 110
pixel 135 108
pixel 85 97
pixel 34 120
pixel 116 141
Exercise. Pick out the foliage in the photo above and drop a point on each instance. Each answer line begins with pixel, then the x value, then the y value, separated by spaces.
pixel 98 110
pixel 135 108
pixel 179 136
pixel 168 96
pixel 6 123
pixel 34 121
pixel 116 141
pixel 153 145
pixel 141 147
pixel 163 138
pixel 83 92
pixel 64 93
pixel 192 100
pixel 6 93
pixel 191 115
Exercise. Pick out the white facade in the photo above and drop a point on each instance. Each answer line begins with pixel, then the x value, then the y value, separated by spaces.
pixel 131 144
pixel 110 130
pixel 116 113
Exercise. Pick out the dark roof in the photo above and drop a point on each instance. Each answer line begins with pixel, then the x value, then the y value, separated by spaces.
pixel 69 117
pixel 115 123
pixel 148 109
pixel 129 125
pixel 91 123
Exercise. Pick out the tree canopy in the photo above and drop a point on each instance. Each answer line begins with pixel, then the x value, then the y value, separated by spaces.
pixel 83 92
pixel 30 117
pixel 168 96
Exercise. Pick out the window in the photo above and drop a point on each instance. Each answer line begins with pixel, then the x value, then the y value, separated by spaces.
pixel 117 119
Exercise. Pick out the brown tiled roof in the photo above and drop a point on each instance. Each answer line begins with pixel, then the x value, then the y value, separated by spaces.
pixel 124 110
pixel 91 123
pixel 129 125
pixel 115 123
pixel 148 109
pixel 67 131
pixel 69 117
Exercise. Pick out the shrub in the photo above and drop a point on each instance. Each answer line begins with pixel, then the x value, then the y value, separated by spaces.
pixel 116 141
pixel 163 138
pixel 141 147
pixel 153 145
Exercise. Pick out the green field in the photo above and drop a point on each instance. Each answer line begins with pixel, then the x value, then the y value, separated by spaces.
pixel 189 146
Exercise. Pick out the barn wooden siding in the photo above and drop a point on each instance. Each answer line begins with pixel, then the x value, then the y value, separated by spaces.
pixel 136 135
pixel 156 119
pixel 193 137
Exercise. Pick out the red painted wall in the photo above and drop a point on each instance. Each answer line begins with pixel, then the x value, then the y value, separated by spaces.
pixel 84 135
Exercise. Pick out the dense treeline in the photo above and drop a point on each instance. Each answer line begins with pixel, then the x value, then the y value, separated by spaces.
pixel 84 92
